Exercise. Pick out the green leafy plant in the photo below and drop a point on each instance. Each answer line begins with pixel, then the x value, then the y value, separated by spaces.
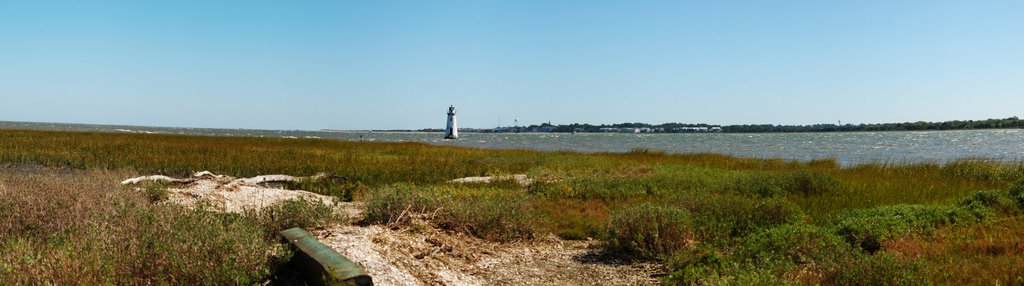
pixel 650 231
pixel 867 228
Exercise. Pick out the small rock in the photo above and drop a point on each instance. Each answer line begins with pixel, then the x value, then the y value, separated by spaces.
pixel 425 253
pixel 433 241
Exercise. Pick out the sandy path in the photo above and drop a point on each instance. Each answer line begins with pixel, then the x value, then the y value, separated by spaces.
pixel 422 255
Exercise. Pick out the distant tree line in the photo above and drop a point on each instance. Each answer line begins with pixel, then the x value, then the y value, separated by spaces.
pixel 1011 122
pixel 597 128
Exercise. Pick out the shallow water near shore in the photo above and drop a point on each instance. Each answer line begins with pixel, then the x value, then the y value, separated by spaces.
pixel 848 148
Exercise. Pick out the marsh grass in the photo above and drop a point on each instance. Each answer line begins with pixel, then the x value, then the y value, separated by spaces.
pixel 991 203
pixel 867 228
pixel 1016 192
pixel 799 245
pixel 982 170
pixel 156 191
pixel 650 231
pixel 714 219
pixel 725 216
pixel 979 254
pixel 576 219
pixel 803 182
pixel 488 213
pixel 307 214
pixel 94 231
pixel 342 191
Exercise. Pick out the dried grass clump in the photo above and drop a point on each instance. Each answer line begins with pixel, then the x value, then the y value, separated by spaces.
pixel 83 228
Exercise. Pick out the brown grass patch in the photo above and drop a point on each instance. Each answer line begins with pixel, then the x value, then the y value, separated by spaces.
pixel 83 228
pixel 982 254
pixel 914 247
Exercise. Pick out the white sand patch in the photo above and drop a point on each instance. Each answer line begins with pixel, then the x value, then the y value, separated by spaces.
pixel 519 178
pixel 229 194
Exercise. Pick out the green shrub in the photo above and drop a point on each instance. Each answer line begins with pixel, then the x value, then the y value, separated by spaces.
pixel 733 274
pixel 880 269
pixel 395 204
pixel 192 246
pixel 867 228
pixel 691 264
pixel 798 244
pixel 724 216
pixel 156 192
pixel 984 203
pixel 137 245
pixel 494 214
pixel 607 187
pixel 93 231
pixel 650 231
pixel 308 214
pixel 761 184
pixel 706 266
pixel 803 182
pixel 768 257
pixel 557 189
pixel 1017 192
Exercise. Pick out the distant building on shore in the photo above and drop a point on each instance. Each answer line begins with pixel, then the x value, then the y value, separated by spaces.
pixel 698 129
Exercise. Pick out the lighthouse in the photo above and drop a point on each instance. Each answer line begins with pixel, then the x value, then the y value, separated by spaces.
pixel 452 131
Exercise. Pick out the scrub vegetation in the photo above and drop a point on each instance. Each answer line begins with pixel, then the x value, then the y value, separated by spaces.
pixel 712 219
pixel 80 227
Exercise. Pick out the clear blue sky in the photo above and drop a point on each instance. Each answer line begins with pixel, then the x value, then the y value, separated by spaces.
pixel 399 64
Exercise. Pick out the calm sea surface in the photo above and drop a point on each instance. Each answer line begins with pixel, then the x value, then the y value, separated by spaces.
pixel 849 147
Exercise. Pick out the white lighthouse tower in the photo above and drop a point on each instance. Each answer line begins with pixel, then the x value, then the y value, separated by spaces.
pixel 452 131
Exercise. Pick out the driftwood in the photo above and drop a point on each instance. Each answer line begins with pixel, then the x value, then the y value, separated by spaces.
pixel 207 174
pixel 240 181
pixel 229 194
pixel 519 178
pixel 283 178
pixel 154 178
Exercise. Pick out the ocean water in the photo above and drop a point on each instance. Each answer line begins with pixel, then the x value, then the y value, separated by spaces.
pixel 849 148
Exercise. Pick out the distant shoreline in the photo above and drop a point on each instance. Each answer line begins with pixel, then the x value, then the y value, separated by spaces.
pixel 1006 123
pixel 777 132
